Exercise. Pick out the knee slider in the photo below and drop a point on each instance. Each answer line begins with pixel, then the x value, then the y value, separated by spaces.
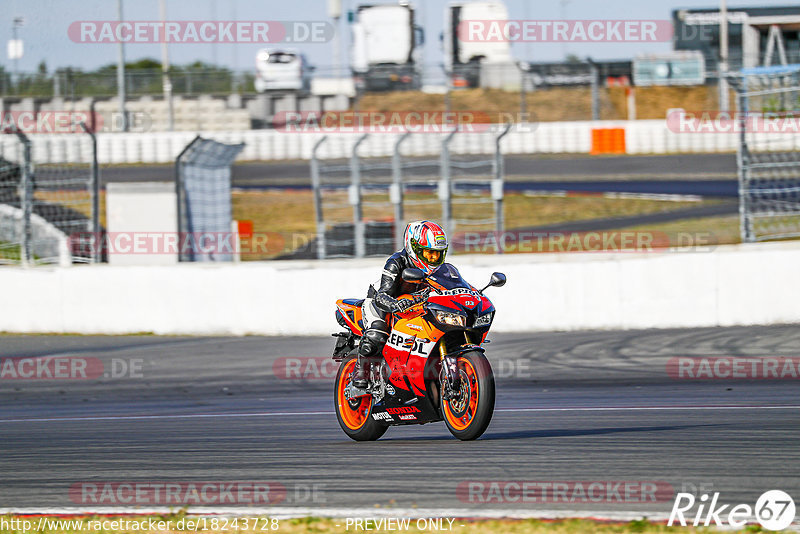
pixel 376 337
pixel 379 325
pixel 373 341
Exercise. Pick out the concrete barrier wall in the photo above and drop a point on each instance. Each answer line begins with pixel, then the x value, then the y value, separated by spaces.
pixel 642 137
pixel 733 285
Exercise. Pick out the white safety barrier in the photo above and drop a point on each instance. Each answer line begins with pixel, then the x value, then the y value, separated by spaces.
pixel 641 137
pixel 48 243
pixel 731 285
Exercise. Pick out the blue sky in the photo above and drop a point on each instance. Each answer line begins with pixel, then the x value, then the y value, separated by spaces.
pixel 46 23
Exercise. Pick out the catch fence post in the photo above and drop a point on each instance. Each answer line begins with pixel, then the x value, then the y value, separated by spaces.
pixel 316 185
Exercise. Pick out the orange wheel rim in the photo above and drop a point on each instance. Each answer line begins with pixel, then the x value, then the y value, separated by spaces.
pixel 353 416
pixel 470 381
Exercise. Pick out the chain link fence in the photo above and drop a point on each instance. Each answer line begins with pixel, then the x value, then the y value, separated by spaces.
pixel 362 207
pixel 768 156
pixel 471 189
pixel 71 83
pixel 203 189
pixel 415 182
pixel 49 213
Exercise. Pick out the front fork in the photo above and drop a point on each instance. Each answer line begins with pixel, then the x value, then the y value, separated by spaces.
pixel 451 378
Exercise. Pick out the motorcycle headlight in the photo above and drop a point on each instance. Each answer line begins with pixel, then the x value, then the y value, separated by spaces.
pixel 452 319
pixel 483 320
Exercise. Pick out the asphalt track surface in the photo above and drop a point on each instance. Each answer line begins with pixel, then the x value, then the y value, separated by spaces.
pixel 699 174
pixel 576 406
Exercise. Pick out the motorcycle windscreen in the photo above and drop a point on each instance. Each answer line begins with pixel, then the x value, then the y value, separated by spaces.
pixel 448 277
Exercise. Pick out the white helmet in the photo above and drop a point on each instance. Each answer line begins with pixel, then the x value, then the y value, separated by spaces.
pixel 426 245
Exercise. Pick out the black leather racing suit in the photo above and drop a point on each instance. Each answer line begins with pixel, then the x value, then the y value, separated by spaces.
pixel 392 284
pixel 382 300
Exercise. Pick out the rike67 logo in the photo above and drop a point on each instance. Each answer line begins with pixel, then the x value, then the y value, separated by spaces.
pixel 774 510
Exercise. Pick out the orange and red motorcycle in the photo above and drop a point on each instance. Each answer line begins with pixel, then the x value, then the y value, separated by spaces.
pixel 433 366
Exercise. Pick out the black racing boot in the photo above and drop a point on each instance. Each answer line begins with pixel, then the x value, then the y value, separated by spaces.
pixel 361 372
pixel 371 345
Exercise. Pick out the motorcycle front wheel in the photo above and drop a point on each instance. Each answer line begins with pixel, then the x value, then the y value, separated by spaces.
pixel 354 415
pixel 469 413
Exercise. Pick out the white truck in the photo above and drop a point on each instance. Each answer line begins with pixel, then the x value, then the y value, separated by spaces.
pixel 473 63
pixel 282 70
pixel 385 44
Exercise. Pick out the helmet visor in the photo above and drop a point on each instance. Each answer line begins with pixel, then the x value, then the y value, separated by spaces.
pixel 432 257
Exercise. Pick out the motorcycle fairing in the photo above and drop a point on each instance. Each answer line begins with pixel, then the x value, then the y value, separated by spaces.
pixel 411 341
pixel 405 408
pixel 349 311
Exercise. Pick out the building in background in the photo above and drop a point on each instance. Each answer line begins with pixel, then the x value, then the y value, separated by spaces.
pixel 755 35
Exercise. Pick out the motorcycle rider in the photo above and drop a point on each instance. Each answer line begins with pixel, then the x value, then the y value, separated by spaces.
pixel 425 246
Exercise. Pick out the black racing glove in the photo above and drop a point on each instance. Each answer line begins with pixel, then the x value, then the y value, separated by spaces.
pixel 386 302
pixel 405 304
pixel 392 304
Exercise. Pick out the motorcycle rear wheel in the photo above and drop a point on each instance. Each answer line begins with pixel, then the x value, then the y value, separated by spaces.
pixel 354 415
pixel 468 415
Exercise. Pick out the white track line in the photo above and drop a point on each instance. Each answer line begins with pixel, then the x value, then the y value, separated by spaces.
pixel 289 414
pixel 165 416
pixel 634 408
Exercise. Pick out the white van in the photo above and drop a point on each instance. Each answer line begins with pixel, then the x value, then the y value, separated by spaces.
pixel 282 70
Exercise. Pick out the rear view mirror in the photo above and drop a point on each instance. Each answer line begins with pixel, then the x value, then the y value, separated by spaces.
pixel 497 280
pixel 413 275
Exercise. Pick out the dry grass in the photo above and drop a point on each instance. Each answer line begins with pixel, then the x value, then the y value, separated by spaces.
pixel 691 235
pixel 278 215
pixel 80 201
pixel 700 232
pixel 522 210
pixel 284 219
pixel 556 104
pixel 293 211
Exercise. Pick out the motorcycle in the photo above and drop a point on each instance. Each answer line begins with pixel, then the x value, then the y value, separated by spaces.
pixel 432 367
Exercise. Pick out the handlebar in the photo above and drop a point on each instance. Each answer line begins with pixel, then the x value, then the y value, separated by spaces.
pixel 416 299
pixel 422 296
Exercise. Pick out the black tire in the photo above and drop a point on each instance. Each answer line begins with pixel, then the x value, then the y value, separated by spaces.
pixel 475 371
pixel 356 428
